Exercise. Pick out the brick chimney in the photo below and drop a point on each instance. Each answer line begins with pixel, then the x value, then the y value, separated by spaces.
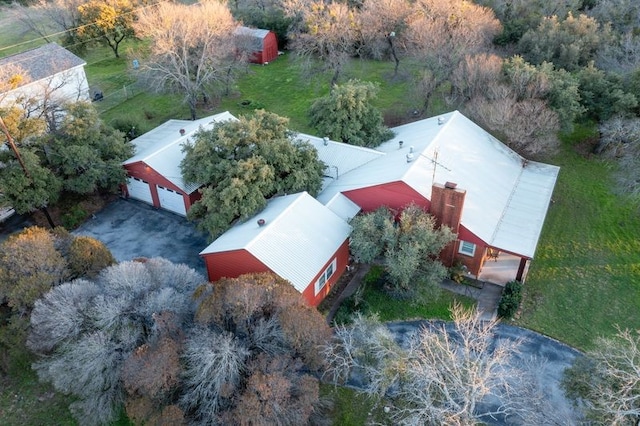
pixel 447 202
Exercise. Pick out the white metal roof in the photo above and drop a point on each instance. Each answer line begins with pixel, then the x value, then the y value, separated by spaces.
pixel 161 148
pixel 298 238
pixel 505 204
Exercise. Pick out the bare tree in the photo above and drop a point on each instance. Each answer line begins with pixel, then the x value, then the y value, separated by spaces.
pixel 49 19
pixel 440 34
pixel 441 377
pixel 192 50
pixel 511 120
pixel 608 379
pixel 327 38
pixel 383 28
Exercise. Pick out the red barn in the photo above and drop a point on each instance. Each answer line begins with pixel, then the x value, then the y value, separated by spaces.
pixel 295 237
pixel 154 171
pixel 261 45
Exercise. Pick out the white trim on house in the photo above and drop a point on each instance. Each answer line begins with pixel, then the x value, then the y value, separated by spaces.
pixel 467 248
pixel 139 190
pixel 326 276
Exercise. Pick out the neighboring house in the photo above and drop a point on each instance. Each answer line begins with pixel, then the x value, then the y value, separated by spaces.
pixel 42 79
pixel 261 45
pixel 154 171
pixel 295 237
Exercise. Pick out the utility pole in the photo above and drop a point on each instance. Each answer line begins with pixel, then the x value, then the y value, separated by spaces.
pixel 14 148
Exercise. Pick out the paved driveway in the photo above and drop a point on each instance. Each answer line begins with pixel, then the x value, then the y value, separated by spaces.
pixel 133 229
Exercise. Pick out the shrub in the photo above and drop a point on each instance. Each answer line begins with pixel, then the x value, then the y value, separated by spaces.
pixel 74 217
pixel 88 256
pixel 510 300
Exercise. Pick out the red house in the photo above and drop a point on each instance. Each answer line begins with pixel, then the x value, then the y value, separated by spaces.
pixel 295 237
pixel 493 198
pixel 261 45
pixel 154 171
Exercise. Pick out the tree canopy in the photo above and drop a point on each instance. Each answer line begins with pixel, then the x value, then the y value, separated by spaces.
pixel 107 22
pixel 407 248
pixel 193 50
pixel 347 115
pixel 245 162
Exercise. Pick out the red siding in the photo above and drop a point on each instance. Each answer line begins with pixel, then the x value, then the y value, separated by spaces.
pixel 232 264
pixel 473 264
pixel 342 255
pixel 395 195
pixel 142 171
pixel 269 50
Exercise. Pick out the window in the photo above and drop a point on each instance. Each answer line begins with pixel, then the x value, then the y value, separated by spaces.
pixel 324 277
pixel 467 248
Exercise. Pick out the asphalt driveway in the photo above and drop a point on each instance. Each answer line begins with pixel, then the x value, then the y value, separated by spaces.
pixel 132 229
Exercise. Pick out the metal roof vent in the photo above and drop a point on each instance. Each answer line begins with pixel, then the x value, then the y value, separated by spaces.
pixel 325 141
pixel 409 157
pixel 400 144
pixel 411 149
pixel 440 121
pixel 182 132
pixel 261 222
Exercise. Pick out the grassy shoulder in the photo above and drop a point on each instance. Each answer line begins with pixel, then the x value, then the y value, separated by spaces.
pixel 585 278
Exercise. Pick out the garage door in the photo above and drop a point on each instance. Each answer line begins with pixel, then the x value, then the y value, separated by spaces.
pixel 171 200
pixel 139 189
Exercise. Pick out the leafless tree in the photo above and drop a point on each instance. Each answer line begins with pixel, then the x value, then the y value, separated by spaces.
pixel 608 379
pixel 511 121
pixel 440 34
pixel 49 19
pixel 442 376
pixel 475 73
pixel 327 38
pixel 192 50
pixel 87 330
pixel 383 27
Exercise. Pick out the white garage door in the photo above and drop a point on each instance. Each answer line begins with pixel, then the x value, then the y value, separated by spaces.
pixel 139 189
pixel 171 200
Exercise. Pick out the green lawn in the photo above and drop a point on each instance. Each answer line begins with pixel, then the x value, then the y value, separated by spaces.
pixel 585 277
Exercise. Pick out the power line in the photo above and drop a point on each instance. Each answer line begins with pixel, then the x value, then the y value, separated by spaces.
pixel 57 34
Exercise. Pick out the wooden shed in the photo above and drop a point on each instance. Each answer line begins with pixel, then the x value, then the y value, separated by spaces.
pixel 262 45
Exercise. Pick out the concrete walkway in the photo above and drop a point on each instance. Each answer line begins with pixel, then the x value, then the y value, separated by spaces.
pixel 488 296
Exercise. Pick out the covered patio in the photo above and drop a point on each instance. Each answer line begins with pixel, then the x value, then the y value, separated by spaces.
pixel 502 269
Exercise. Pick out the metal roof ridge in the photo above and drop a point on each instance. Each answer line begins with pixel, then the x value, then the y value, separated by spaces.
pixel 298 196
pixel 442 127
pixel 507 205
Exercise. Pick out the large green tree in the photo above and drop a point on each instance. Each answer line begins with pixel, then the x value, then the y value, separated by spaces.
pixel 109 22
pixel 347 115
pixel 407 248
pixel 85 153
pixel 243 163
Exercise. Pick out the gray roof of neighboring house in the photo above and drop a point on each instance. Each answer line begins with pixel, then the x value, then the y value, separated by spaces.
pixel 42 62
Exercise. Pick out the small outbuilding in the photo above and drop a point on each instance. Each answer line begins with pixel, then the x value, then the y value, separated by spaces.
pixel 154 171
pixel 295 237
pixel 262 45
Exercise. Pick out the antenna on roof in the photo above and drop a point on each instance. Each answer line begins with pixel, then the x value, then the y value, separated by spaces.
pixel 435 163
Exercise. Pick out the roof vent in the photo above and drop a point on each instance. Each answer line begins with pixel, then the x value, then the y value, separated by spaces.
pixel 400 144
pixel 182 132
pixel 325 141
pixel 440 121
pixel 261 222
pixel 450 185
pixel 411 149
pixel 409 157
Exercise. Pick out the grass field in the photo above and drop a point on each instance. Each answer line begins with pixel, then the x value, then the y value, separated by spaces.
pixel 585 277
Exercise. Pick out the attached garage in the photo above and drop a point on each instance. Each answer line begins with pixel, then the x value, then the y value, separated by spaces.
pixel 154 171
pixel 139 189
pixel 171 200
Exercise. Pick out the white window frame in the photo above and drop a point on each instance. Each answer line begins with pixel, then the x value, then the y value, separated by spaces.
pixel 467 248
pixel 326 275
